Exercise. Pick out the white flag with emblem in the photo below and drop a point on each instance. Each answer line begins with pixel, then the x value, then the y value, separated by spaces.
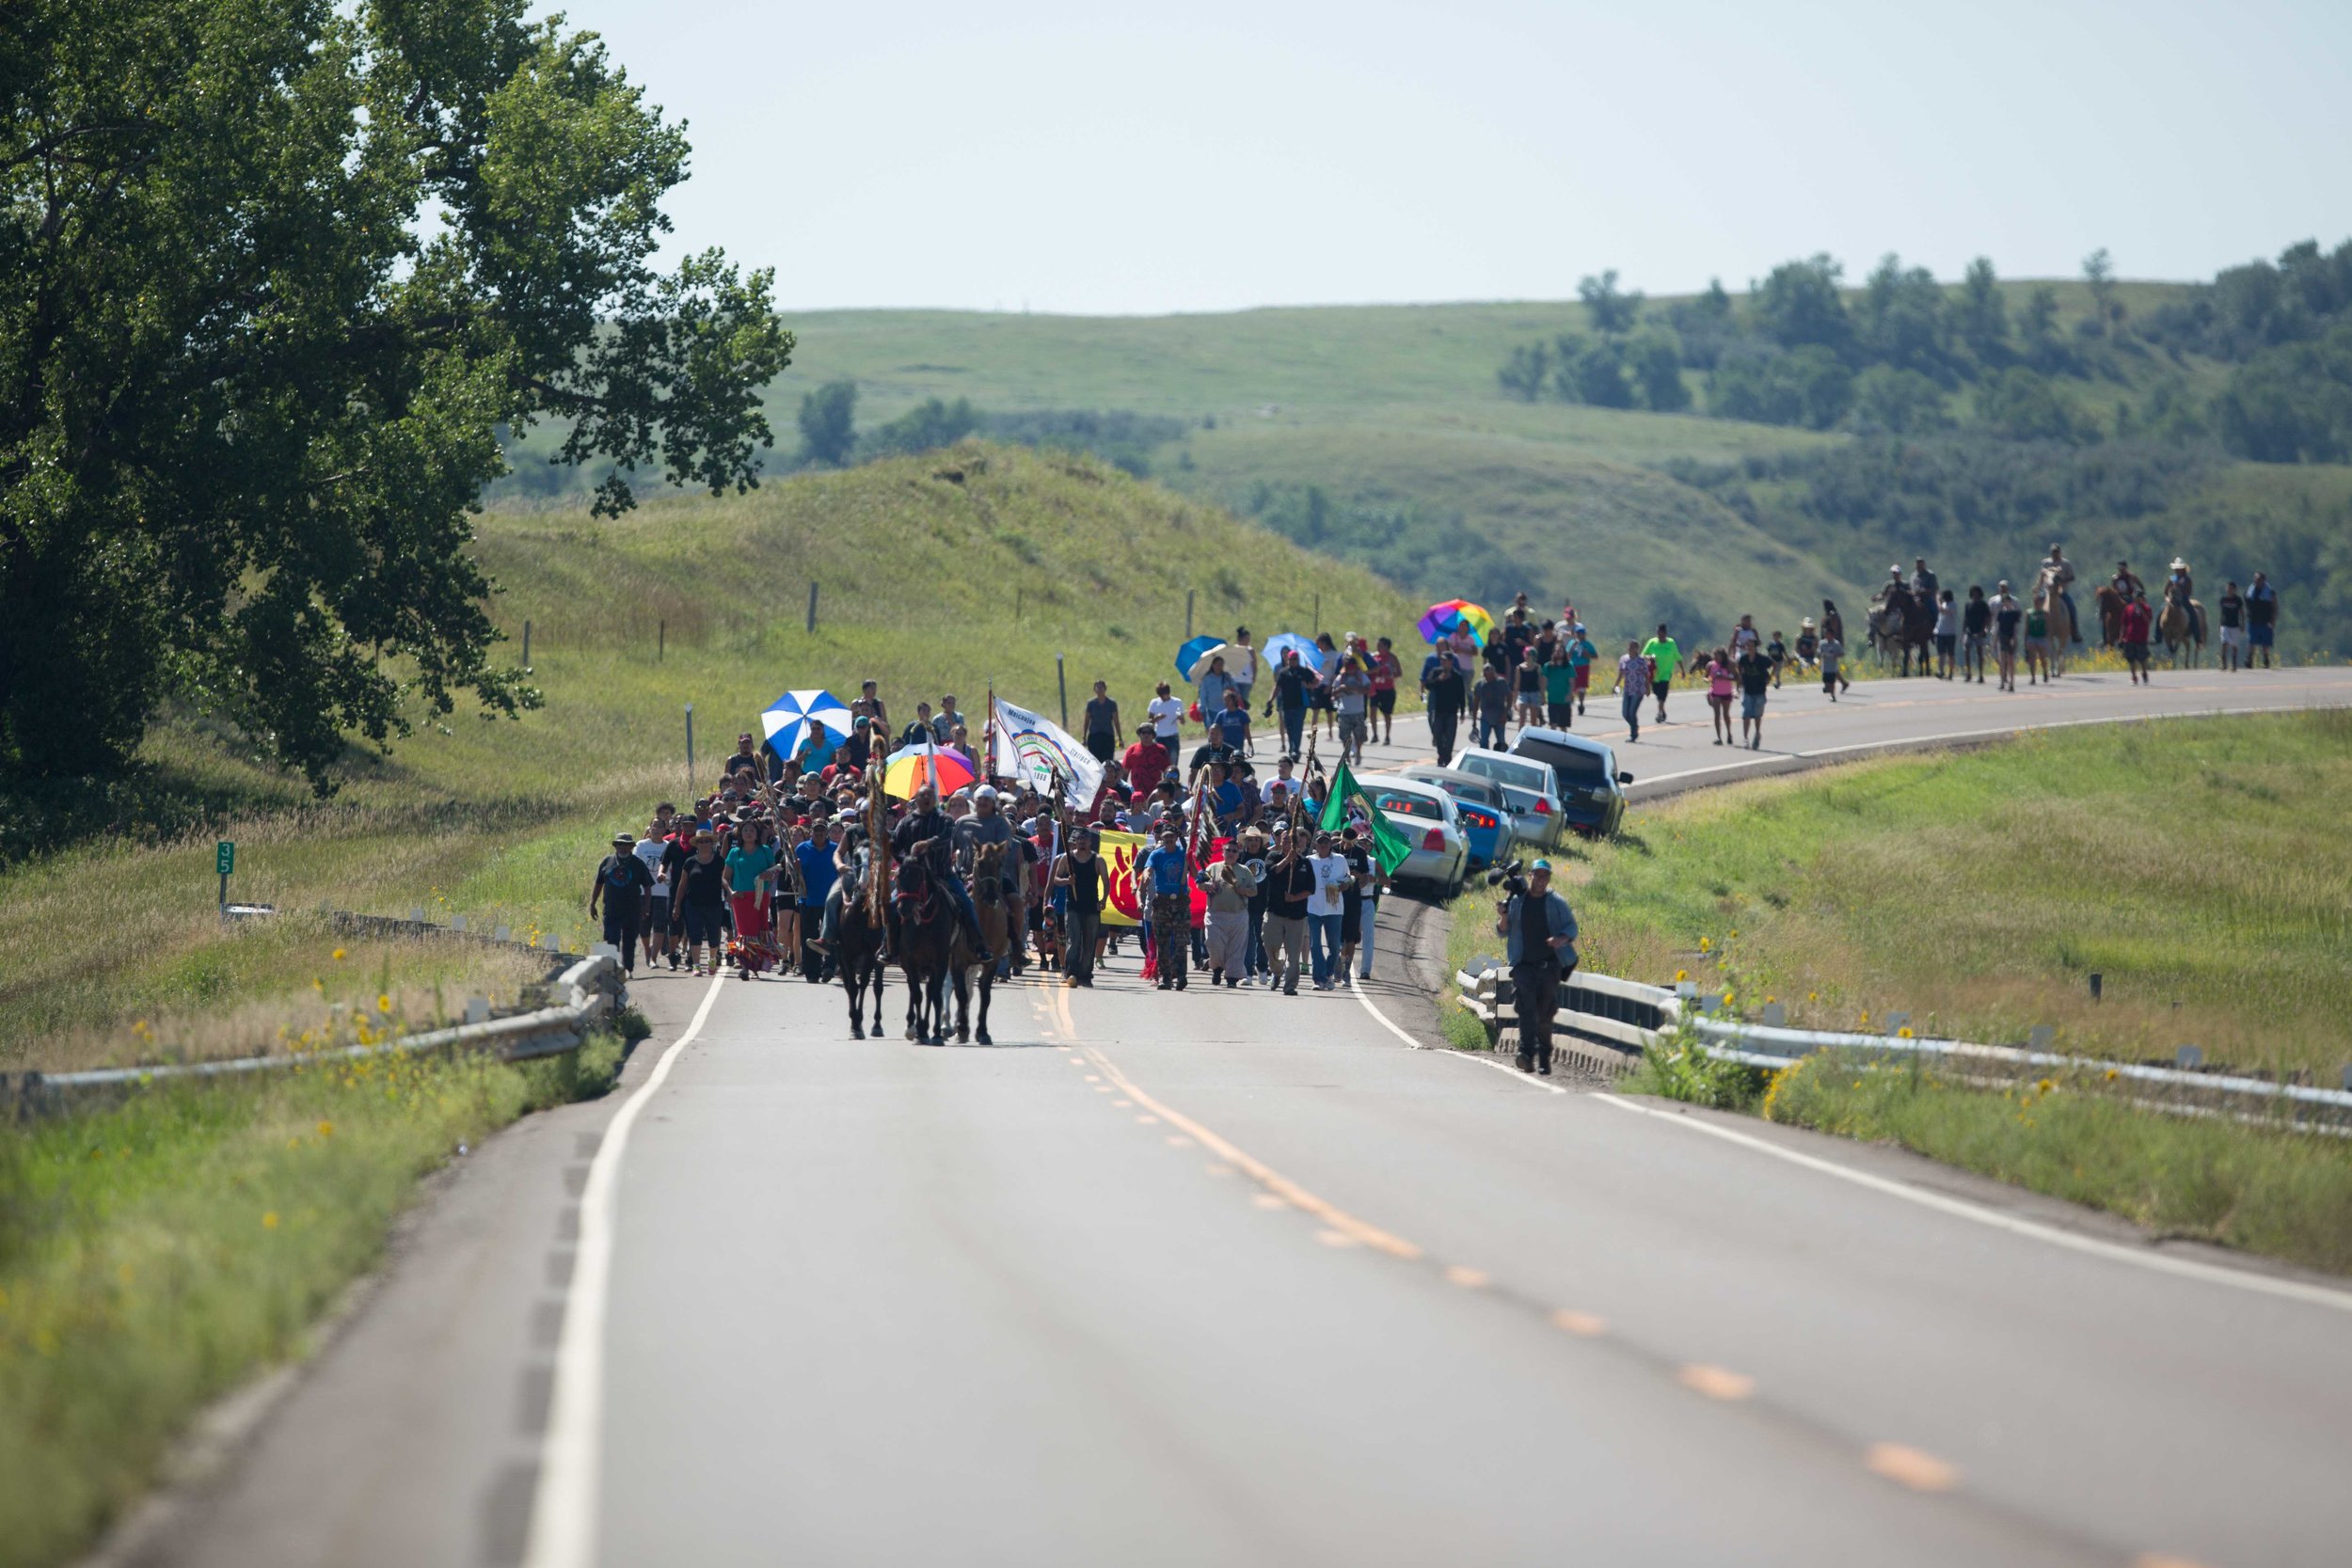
pixel 1035 750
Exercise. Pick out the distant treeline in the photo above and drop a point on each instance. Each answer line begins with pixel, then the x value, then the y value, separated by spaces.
pixel 1410 544
pixel 1908 356
pixel 830 437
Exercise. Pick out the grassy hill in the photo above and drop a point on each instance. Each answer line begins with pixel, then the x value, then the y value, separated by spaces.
pixel 937 575
pixel 1379 434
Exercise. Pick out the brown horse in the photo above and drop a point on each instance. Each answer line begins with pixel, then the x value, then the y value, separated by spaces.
pixel 923 915
pixel 858 952
pixel 991 903
pixel 2060 616
pixel 2110 615
pixel 2182 626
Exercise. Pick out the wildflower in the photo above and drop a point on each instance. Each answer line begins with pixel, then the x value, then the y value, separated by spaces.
pixel 2043 1086
pixel 1813 996
pixel 2111 1075
pixel 269 1221
pixel 1682 974
pixel 338 955
pixel 1903 1032
pixel 1705 944
pixel 326 1129
pixel 1768 999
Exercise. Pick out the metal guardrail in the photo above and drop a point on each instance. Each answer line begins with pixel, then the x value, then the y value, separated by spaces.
pixel 585 995
pixel 1635 1016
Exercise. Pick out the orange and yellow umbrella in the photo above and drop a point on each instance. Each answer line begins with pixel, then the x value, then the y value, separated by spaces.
pixel 909 767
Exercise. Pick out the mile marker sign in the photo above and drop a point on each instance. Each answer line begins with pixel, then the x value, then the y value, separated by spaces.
pixel 225 862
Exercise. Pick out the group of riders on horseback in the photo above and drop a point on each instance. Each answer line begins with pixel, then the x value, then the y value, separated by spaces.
pixel 1913 619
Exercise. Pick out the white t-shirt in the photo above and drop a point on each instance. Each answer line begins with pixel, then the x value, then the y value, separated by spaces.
pixel 1168 716
pixel 1332 876
pixel 1280 785
pixel 650 850
pixel 1242 664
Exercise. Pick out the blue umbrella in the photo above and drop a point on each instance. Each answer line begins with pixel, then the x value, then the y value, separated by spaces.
pixel 1290 641
pixel 796 717
pixel 1189 654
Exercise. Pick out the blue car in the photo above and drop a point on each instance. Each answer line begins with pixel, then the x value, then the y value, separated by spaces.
pixel 1485 815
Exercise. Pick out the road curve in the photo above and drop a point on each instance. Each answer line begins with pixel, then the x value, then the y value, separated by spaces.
pixel 1236 1278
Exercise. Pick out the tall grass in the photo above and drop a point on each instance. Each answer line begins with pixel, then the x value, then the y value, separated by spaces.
pixel 2199 866
pixel 153 1254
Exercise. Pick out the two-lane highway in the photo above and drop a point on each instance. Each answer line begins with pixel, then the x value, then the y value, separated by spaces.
pixel 1231 1278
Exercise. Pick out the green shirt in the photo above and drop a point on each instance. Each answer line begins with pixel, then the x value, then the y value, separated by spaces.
pixel 1663 656
pixel 1559 682
pixel 746 866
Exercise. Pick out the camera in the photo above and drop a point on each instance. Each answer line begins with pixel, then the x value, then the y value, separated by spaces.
pixel 1510 875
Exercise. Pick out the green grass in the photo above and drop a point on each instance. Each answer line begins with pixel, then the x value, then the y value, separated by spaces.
pixel 152 1255
pixel 2282 1194
pixel 938 574
pixel 2197 866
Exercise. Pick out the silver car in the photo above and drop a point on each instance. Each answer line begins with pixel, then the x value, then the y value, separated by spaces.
pixel 1431 824
pixel 1532 789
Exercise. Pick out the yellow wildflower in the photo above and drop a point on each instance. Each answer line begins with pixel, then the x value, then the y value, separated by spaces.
pixel 338 955
pixel 326 1129
pixel 383 1002
pixel 269 1221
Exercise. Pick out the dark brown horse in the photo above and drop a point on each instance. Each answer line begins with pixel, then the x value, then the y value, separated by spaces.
pixel 923 918
pixel 859 952
pixel 991 901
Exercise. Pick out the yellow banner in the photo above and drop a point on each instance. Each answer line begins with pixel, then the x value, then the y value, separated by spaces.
pixel 1119 852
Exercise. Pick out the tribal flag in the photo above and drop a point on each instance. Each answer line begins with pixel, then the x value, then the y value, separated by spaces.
pixel 1032 747
pixel 1388 846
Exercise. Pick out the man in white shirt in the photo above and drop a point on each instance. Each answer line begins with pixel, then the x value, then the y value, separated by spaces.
pixel 1167 720
pixel 1324 909
pixel 1281 784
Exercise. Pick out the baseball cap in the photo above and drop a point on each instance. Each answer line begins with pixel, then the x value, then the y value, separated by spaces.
pixel 1540 865
pixel 986 792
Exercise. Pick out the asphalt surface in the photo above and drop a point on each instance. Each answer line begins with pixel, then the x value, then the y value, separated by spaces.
pixel 1235 1278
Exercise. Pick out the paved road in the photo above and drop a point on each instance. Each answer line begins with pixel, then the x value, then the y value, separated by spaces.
pixel 1236 1278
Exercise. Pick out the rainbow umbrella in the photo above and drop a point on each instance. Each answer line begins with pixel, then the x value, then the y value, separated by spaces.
pixel 1442 620
pixel 909 767
pixel 1189 654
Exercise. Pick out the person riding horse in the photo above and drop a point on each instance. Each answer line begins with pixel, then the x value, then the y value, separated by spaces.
pixel 2180 593
pixel 925 831
pixel 2057 578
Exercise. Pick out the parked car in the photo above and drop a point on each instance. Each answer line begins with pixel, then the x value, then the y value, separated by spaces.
pixel 1485 815
pixel 1592 791
pixel 1532 790
pixel 1431 823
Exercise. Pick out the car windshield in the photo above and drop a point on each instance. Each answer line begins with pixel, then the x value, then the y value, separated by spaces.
pixel 1577 768
pixel 1396 802
pixel 1509 772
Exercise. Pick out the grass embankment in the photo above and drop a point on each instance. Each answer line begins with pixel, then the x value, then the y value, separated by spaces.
pixel 937 575
pixel 153 1254
pixel 2198 865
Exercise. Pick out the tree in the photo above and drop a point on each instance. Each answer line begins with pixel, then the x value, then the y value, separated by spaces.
pixel 1899 402
pixel 1703 326
pixel 273 279
pixel 1798 305
pixel 1808 385
pixel 2023 407
pixel 829 424
pixel 1526 373
pixel 1656 361
pixel 926 427
pixel 1610 310
pixel 2107 312
pixel 1981 315
pixel 1592 373
pixel 2292 403
pixel 2038 334
pixel 1903 323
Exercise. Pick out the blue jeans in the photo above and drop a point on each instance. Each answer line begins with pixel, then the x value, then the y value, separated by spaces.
pixel 1293 730
pixel 1363 937
pixel 1323 945
pixel 1490 731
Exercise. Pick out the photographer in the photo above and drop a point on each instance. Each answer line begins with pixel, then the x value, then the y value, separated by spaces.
pixel 1539 935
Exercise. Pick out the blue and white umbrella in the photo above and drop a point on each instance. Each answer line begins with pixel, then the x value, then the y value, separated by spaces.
pixel 1290 641
pixel 792 719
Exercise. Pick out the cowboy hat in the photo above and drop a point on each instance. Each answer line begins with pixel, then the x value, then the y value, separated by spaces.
pixel 2178 565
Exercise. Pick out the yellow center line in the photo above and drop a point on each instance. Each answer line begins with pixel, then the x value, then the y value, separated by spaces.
pixel 1716 1382
pixel 1908 1466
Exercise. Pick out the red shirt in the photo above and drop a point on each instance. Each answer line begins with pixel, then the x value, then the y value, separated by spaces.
pixel 2136 620
pixel 1146 763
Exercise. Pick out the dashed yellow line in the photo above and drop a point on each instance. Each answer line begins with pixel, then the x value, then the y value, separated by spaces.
pixel 1716 1382
pixel 1909 1467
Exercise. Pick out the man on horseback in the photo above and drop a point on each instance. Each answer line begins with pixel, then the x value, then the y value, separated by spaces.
pixel 925 832
pixel 2180 593
pixel 986 825
pixel 2058 577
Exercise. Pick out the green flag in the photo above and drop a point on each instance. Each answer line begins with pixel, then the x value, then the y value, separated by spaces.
pixel 1388 846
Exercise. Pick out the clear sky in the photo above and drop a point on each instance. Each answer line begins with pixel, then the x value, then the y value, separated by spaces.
pixel 1111 157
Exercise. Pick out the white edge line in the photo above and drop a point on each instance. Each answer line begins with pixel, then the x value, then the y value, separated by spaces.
pixel 2317 1295
pixel 1517 1076
pixel 564 1507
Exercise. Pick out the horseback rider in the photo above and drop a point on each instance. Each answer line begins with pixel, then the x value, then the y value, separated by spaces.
pixel 926 832
pixel 1923 583
pixel 2126 582
pixel 2057 574
pixel 2180 591
pixel 989 825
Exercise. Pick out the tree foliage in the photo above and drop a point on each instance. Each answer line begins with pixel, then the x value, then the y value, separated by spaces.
pixel 275 276
pixel 1612 311
pixel 829 424
pixel 2292 403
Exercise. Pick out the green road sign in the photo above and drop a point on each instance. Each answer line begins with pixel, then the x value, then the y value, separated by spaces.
pixel 225 855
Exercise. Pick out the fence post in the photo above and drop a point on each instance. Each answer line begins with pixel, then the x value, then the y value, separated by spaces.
pixel 1188 593
pixel 690 746
pixel 526 644
pixel 1061 680
pixel 1318 615
pixel 661 640
pixel 811 609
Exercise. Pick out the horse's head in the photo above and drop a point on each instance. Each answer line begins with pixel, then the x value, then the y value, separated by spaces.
pixel 988 874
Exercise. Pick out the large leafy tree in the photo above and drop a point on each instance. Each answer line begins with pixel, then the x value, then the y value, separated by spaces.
pixel 274 278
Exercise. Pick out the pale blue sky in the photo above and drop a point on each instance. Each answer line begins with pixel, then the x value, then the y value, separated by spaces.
pixel 1200 155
